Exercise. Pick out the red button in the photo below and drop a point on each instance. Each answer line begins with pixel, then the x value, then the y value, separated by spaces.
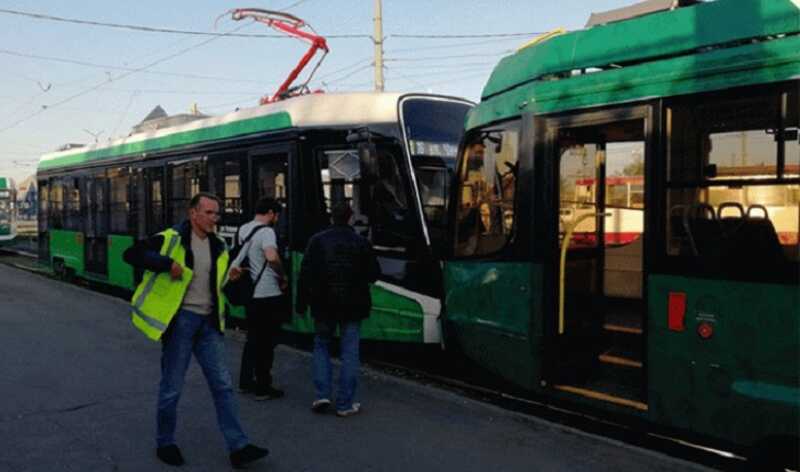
pixel 705 330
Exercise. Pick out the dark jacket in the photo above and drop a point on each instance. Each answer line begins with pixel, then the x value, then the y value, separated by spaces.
pixel 337 268
pixel 145 255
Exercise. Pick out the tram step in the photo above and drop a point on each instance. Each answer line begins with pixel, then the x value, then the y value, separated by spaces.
pixel 625 322
pixel 621 355
pixel 602 396
pixel 620 385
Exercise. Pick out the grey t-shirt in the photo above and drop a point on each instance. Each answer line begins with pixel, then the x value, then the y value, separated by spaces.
pixel 198 296
pixel 265 237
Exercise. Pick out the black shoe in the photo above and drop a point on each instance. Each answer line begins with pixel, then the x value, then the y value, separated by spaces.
pixel 170 455
pixel 247 455
pixel 269 393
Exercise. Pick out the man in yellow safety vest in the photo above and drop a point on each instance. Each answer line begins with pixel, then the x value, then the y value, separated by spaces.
pixel 180 302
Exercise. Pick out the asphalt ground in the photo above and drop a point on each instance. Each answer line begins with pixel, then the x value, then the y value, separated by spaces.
pixel 79 386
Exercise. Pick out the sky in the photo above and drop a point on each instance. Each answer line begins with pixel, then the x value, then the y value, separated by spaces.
pixel 64 83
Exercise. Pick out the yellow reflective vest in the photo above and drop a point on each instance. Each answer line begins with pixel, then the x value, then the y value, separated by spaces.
pixel 158 297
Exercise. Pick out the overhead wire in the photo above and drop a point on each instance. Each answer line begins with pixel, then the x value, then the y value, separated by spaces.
pixel 124 113
pixel 122 68
pixel 110 79
pixel 451 46
pixel 450 71
pixel 348 75
pixel 454 56
pixel 465 36
pixel 295 4
pixel 337 71
pixel 459 65
pixel 152 29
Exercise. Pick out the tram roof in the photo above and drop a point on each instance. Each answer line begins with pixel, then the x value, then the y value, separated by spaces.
pixel 313 110
pixel 706 46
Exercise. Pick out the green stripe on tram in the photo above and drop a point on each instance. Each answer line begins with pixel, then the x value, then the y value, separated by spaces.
pixel 274 121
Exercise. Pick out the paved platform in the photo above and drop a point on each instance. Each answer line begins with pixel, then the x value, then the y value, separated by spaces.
pixel 79 388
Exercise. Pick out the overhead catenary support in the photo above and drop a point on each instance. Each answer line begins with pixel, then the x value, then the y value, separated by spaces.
pixel 378 40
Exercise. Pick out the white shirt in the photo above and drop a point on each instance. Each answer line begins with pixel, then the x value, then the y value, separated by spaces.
pixel 265 238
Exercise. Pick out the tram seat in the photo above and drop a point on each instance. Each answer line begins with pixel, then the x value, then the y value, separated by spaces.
pixel 705 234
pixel 754 249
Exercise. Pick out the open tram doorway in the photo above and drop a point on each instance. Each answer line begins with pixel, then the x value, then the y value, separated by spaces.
pixel 596 347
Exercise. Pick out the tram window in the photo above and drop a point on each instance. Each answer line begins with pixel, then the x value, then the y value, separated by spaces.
pixel 72 204
pixel 137 216
pixel 340 175
pixel 487 184
pixel 730 205
pixel 433 189
pixel 271 172
pixel 224 179
pixel 56 205
pixel 97 199
pixel 119 206
pixel 185 182
pixel 156 201
pixel 389 205
pixel 43 197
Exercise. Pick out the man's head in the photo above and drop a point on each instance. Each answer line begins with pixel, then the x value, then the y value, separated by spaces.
pixel 204 212
pixel 268 209
pixel 341 213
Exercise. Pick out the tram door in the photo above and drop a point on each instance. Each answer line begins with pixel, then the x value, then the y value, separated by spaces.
pixel 95 193
pixel 269 174
pixel 596 344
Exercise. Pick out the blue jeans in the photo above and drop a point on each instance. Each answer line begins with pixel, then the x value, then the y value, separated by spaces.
pixel 348 375
pixel 192 333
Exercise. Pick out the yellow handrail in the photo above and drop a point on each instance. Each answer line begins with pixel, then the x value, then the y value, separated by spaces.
pixel 561 276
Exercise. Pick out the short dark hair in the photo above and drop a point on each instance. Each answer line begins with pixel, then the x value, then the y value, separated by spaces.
pixel 341 213
pixel 195 201
pixel 265 204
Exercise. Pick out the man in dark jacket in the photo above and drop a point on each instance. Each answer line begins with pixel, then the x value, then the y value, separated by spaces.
pixel 337 268
pixel 192 260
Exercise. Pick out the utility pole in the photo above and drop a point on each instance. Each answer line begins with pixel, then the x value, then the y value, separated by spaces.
pixel 378 40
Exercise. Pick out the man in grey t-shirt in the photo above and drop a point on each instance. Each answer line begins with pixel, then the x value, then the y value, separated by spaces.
pixel 267 311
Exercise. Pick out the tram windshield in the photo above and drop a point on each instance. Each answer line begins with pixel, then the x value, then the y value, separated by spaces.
pixel 433 129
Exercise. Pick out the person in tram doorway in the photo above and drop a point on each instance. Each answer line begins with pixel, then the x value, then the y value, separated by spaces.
pixel 337 268
pixel 180 303
pixel 268 310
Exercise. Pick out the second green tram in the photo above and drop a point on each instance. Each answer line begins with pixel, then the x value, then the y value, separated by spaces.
pixel 96 201
pixel 8 211
pixel 625 223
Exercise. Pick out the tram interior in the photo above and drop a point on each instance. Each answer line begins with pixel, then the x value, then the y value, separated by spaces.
pixel 734 200
pixel 601 236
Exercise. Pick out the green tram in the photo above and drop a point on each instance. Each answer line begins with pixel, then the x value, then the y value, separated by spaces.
pixel 304 151
pixel 8 211
pixel 624 233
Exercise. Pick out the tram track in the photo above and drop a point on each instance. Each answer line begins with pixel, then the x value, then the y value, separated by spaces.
pixel 482 387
